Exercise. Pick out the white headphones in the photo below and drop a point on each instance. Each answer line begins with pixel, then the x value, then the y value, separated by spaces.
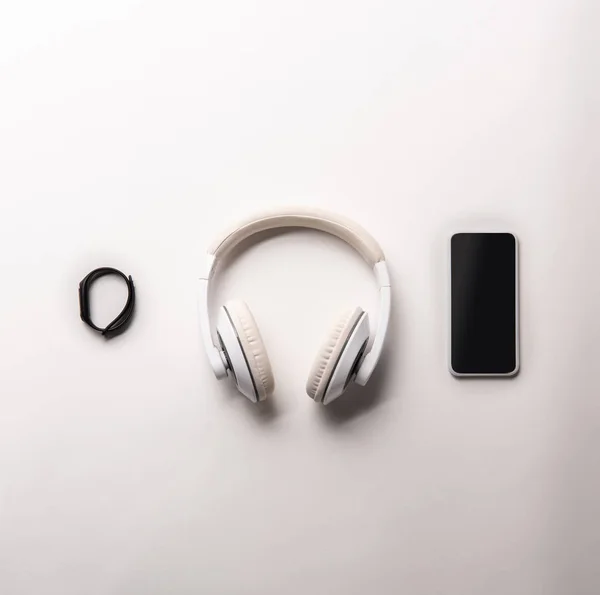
pixel 239 348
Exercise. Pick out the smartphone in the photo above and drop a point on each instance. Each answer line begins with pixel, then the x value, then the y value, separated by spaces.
pixel 484 304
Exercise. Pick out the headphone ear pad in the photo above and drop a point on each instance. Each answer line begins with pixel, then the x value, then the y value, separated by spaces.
pixel 248 342
pixel 331 351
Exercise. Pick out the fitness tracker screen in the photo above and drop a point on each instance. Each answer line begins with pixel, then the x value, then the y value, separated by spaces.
pixel 484 312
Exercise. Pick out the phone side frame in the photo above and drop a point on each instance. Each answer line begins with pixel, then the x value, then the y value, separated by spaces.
pixel 517 313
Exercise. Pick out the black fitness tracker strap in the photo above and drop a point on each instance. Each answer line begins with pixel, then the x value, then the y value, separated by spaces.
pixel 120 323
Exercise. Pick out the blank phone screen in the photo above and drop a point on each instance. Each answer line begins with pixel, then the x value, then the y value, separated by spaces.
pixel 484 304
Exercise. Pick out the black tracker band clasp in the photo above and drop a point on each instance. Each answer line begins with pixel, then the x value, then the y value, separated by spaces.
pixel 120 323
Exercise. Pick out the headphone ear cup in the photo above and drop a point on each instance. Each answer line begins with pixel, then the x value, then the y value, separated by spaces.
pixel 338 357
pixel 245 351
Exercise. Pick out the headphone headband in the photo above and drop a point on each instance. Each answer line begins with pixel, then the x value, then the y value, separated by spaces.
pixel 345 229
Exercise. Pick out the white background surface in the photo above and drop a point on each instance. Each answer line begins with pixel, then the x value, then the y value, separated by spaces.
pixel 130 132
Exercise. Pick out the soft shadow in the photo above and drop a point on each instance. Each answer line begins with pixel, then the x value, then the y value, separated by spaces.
pixel 264 412
pixel 486 379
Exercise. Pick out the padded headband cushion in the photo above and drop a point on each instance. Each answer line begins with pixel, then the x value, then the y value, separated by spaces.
pixel 253 347
pixel 329 354
pixel 339 226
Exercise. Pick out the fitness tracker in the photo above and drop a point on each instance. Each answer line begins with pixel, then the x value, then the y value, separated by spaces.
pixel 121 322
